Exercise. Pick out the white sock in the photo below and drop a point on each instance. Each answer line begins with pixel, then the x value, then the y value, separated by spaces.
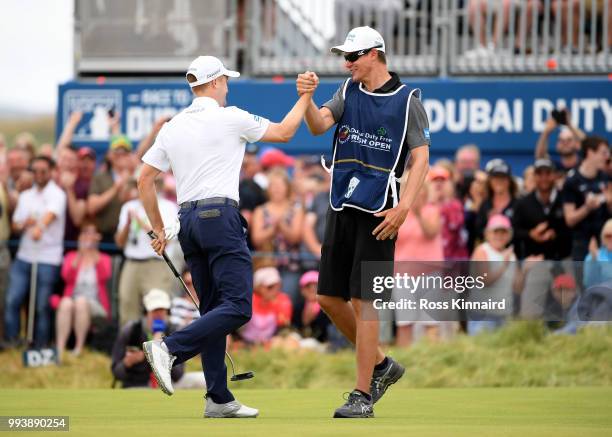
pixel 164 347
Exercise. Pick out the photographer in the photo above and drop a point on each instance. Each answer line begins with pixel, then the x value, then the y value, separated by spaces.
pixel 129 365
pixel 568 142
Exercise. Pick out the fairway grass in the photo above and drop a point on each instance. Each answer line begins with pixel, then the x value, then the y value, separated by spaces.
pixel 519 355
pixel 474 412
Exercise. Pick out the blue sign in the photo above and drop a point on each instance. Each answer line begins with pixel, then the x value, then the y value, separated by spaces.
pixel 503 117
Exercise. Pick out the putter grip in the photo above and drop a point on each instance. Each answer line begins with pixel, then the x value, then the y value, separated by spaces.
pixel 165 256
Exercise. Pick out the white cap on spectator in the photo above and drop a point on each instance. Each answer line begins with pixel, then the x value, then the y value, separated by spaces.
pixel 361 38
pixel 156 299
pixel 266 276
pixel 208 68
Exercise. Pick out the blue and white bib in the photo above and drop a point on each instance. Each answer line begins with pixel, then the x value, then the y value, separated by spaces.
pixel 368 146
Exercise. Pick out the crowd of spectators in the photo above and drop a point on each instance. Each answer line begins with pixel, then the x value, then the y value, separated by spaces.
pixel 74 222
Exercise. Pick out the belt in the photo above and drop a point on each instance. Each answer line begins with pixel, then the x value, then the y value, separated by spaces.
pixel 209 201
pixel 143 260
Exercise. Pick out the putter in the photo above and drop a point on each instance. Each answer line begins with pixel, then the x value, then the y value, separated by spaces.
pixel 235 377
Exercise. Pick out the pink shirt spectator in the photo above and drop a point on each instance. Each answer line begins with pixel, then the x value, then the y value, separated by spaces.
pixel 412 245
pixel 70 272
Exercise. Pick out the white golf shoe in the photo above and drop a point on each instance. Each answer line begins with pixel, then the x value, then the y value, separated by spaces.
pixel 159 358
pixel 231 409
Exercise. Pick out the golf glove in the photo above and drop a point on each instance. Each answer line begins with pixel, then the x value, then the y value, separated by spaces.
pixel 173 229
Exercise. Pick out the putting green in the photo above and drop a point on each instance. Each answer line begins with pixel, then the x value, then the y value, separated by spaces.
pixel 576 411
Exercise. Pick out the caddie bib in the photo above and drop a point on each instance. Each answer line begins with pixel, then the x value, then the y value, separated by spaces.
pixel 367 147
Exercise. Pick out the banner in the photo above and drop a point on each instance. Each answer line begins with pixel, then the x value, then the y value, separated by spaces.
pixel 502 117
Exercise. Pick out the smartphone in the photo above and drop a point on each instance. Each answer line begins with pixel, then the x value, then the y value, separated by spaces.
pixel 111 112
pixel 559 115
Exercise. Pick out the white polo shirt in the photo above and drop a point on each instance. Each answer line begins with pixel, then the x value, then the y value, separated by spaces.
pixel 36 203
pixel 204 145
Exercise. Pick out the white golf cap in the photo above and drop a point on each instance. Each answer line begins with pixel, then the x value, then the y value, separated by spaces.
pixel 156 299
pixel 207 68
pixel 361 38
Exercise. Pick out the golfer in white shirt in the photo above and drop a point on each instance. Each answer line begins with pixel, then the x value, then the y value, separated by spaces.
pixel 204 146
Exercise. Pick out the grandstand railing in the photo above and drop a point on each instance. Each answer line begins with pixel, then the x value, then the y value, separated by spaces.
pixel 289 36
pixel 435 37
pixel 152 37
pixel 540 37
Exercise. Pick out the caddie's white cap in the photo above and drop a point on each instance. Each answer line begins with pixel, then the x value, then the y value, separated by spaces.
pixel 361 38
pixel 207 68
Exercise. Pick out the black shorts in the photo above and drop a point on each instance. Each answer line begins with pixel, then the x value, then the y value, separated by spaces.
pixel 347 242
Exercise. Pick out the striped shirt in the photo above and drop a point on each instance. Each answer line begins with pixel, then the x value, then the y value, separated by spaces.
pixel 182 312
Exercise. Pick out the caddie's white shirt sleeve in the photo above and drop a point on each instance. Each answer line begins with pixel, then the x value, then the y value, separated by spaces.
pixel 251 127
pixel 156 156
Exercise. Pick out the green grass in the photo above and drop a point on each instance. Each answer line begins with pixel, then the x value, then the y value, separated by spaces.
pixel 407 412
pixel 517 381
pixel 520 355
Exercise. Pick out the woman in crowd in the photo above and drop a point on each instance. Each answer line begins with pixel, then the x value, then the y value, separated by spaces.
pixel 502 277
pixel 272 308
pixel 473 199
pixel 308 317
pixel 85 273
pixel 419 239
pixel 451 212
pixel 528 180
pixel 502 193
pixel 277 227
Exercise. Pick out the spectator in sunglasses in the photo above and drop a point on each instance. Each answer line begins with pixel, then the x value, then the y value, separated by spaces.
pixel 40 219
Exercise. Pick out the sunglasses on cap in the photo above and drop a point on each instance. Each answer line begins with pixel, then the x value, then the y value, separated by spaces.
pixel 353 56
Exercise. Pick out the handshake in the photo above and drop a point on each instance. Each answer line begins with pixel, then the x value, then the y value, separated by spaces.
pixel 306 83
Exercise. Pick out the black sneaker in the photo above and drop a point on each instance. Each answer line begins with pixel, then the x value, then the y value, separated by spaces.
pixel 382 379
pixel 356 406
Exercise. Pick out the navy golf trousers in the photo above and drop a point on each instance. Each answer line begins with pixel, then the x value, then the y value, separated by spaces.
pixel 213 239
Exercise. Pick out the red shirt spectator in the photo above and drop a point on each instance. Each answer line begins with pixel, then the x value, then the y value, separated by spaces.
pixel 272 308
